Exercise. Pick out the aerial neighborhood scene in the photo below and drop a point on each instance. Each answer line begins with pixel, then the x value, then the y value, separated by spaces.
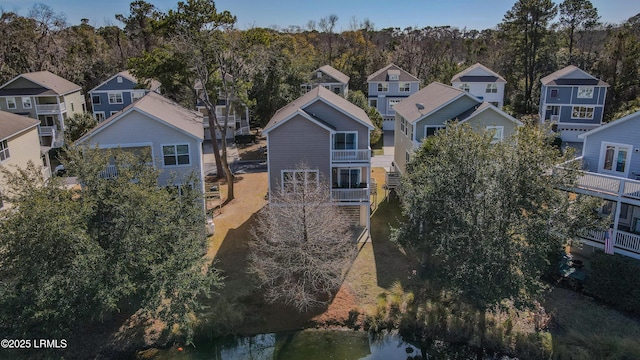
pixel 202 179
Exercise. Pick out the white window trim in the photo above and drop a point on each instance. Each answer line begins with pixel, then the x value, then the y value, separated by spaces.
pixel 99 99
pixel 141 92
pixel 95 115
pixel 294 171
pixel 111 113
pixel 116 93
pixel 15 103
pixel 492 88
pixel 4 149
pixel 441 127
pixel 551 93
pixel 402 88
pixel 119 79
pixel 359 170
pixel 603 148
pixel 383 86
pixel 333 142
pixel 593 112
pixel 175 145
pixel 581 89
pixel 30 103
pixel 493 141
pixel 464 87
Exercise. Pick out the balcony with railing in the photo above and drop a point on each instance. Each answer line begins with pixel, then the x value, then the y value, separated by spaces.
pixel 623 240
pixel 51 108
pixel 350 195
pixel 351 156
pixel 604 184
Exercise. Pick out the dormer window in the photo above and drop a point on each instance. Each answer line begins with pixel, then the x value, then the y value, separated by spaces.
pixel 319 74
pixel 394 77
pixel 585 92
pixel 119 79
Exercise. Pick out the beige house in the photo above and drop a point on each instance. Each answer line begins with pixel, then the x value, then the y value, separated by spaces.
pixel 19 144
pixel 429 110
pixel 45 97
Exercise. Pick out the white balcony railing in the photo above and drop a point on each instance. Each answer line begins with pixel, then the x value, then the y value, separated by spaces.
pixel 624 240
pixel 50 108
pixel 111 171
pixel 351 195
pixel 606 184
pixel 47 131
pixel 351 155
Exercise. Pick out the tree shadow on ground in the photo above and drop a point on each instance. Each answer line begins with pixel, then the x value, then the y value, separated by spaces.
pixel 393 264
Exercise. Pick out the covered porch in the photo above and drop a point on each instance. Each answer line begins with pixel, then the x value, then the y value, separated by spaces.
pixel 350 183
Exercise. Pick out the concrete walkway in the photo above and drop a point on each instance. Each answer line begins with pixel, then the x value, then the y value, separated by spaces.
pixel 384 161
pixel 208 159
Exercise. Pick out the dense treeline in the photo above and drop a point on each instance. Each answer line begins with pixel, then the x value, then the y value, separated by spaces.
pixel 534 39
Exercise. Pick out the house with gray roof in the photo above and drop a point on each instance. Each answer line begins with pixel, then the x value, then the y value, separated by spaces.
pixel 429 110
pixel 45 97
pixel 118 92
pixel 482 83
pixel 329 78
pixel 172 134
pixel 387 87
pixel 573 101
pixel 19 145
pixel 330 135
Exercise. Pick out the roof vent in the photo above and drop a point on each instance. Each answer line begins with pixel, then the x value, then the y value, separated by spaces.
pixel 420 106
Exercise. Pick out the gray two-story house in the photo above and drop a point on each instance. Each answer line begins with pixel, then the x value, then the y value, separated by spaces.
pixel 46 97
pixel 573 101
pixel 118 92
pixel 330 136
pixel 611 171
pixel 387 87
pixel 329 78
pixel 482 83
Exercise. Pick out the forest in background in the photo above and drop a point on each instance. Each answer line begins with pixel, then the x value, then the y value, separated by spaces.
pixel 535 38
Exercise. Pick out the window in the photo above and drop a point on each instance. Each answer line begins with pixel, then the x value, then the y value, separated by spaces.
pixel 99 116
pixel 553 93
pixel 4 150
pixel 553 109
pixel 336 90
pixel 394 77
pixel 402 124
pixel 47 120
pixel 294 181
pixel 175 154
pixel 373 103
pixel 345 140
pixel 585 92
pixel 405 87
pixel 72 108
pixel 614 158
pixel 431 130
pixel 136 95
pixel 494 103
pixel 26 103
pixel 392 103
pixel 319 74
pixel 498 133
pixel 112 113
pixel 95 99
pixel 464 87
pixel 115 98
pixel 407 157
pixel 11 103
pixel 349 178
pixel 582 112
pixel 119 79
pixel 491 88
pixel 383 87
pixel 306 87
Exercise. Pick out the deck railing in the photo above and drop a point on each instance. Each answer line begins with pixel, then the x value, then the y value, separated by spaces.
pixel 607 184
pixel 623 240
pixel 51 108
pixel 352 195
pixel 351 155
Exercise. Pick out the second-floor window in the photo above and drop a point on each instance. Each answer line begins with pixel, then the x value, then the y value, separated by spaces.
pixel 615 158
pixel 383 87
pixel 582 112
pixel 405 87
pixel 99 116
pixel 431 130
pixel 11 103
pixel 137 94
pixel 95 99
pixel 491 88
pixel 175 154
pixel 373 103
pixel 464 87
pixel 392 103
pixel 497 132
pixel 585 92
pixel 115 98
pixel 4 150
pixel 553 93
pixel 26 103
pixel 295 181
pixel 345 140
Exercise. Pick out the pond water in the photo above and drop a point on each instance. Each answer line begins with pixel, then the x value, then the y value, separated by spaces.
pixel 306 345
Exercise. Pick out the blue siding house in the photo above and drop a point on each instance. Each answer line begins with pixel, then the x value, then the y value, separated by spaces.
pixel 387 87
pixel 611 171
pixel 118 92
pixel 573 100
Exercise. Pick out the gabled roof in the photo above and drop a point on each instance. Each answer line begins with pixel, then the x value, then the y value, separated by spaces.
pixel 571 75
pixel 635 115
pixel 477 73
pixel 12 124
pixel 47 80
pixel 329 70
pixel 477 110
pixel 159 108
pixel 428 100
pixel 382 74
pixel 153 84
pixel 318 93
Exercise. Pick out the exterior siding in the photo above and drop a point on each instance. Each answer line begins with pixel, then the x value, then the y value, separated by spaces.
pixel 137 129
pixel 490 117
pixel 626 133
pixel 448 112
pixel 294 142
pixel 77 99
pixel 340 121
pixel 479 90
pixel 19 108
pixel 22 83
pixel 402 144
pixel 23 148
pixel 112 86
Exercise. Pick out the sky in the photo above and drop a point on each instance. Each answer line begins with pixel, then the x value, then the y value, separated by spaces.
pixel 472 14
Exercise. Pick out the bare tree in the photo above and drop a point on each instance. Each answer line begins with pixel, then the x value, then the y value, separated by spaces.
pixel 302 244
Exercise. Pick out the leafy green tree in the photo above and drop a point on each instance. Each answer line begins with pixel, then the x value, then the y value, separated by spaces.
pixel 78 125
pixel 577 16
pixel 72 256
pixel 486 216
pixel 526 29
